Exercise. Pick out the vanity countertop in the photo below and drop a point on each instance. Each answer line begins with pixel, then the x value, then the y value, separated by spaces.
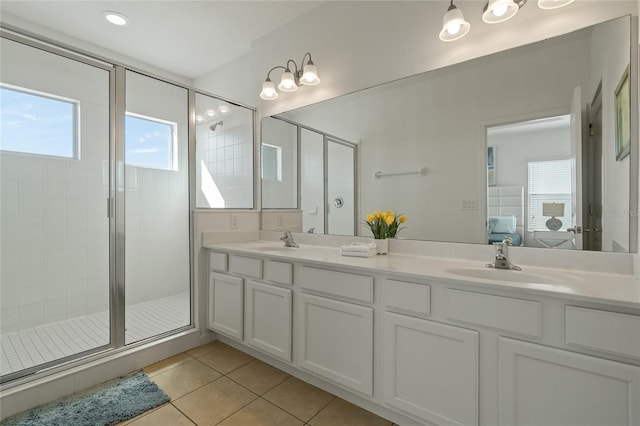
pixel 616 289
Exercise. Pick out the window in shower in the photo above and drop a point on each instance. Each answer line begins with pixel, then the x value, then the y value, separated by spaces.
pixel 150 142
pixel 37 123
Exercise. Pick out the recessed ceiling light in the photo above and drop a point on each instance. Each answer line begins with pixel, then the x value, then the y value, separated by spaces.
pixel 115 18
pixel 210 112
pixel 199 118
pixel 223 109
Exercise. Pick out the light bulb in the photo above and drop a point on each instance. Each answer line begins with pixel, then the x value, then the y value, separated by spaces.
pixel 454 26
pixel 553 4
pixel 500 10
pixel 199 118
pixel 268 90
pixel 310 74
pixel 287 82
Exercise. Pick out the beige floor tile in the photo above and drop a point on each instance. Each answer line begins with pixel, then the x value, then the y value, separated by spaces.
pixel 299 398
pixel 185 378
pixel 261 413
pixel 212 403
pixel 342 413
pixel 226 359
pixel 166 364
pixel 206 348
pixel 167 415
pixel 258 377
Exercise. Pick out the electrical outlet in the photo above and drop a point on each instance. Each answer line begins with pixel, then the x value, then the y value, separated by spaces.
pixel 233 221
pixel 469 205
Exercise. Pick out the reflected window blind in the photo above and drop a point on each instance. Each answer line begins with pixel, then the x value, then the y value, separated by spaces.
pixel 549 182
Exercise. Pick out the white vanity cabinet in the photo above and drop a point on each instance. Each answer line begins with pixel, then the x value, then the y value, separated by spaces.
pixel 429 369
pixel 226 295
pixel 268 318
pixel 547 386
pixel 335 337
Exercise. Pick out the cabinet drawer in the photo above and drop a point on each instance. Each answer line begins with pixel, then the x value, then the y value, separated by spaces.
pixel 246 266
pixel 278 272
pixel 341 284
pixel 501 313
pixel 218 262
pixel 405 297
pixel 603 331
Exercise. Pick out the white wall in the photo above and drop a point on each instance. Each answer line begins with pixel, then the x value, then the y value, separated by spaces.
pixel 609 64
pixel 54 227
pixel 312 180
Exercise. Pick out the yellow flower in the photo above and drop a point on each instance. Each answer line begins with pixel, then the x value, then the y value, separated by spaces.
pixel 390 213
pixel 402 218
pixel 370 217
pixel 389 219
pixel 378 214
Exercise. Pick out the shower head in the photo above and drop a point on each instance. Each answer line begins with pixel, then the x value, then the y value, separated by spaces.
pixel 213 126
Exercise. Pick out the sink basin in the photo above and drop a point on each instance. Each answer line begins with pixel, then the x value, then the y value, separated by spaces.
pixel 504 275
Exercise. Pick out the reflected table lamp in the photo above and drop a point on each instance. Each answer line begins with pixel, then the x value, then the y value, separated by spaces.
pixel 554 210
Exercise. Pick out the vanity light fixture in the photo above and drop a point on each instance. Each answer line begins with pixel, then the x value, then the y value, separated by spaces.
pixel 496 11
pixel 454 26
pixel 291 80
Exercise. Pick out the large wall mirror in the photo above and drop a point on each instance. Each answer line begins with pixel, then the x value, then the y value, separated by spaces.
pixel 510 143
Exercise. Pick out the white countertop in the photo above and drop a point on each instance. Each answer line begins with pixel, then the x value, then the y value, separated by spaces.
pixel 615 289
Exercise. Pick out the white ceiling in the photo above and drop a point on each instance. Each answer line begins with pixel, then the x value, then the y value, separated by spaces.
pixel 188 38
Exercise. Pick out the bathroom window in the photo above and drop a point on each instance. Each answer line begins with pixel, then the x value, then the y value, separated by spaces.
pixel 150 142
pixel 271 163
pixel 37 123
pixel 549 182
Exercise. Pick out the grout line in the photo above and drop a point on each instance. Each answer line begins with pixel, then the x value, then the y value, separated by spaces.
pixel 322 409
pixel 183 413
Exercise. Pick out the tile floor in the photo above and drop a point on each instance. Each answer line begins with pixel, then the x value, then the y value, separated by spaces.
pixel 216 384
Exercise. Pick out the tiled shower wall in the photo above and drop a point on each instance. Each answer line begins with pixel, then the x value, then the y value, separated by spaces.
pixel 54 239
pixel 226 155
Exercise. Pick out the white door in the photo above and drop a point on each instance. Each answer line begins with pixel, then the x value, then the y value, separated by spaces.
pixel 268 323
pixel 226 305
pixel 538 385
pixel 335 341
pixel 576 170
pixel 430 370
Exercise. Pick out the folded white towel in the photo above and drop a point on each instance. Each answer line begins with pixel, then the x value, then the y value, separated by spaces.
pixel 359 254
pixel 358 247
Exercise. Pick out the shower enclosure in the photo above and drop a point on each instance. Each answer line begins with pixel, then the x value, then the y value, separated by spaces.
pixel 310 170
pixel 95 207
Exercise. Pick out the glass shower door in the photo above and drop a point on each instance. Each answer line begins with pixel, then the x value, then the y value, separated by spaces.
pixel 156 180
pixel 54 186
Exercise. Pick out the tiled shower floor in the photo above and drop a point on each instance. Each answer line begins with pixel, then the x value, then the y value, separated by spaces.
pixel 34 346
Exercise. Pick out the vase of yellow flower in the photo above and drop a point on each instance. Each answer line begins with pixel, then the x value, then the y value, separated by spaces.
pixel 384 226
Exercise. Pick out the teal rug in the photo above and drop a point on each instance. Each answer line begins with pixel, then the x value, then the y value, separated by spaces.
pixel 107 404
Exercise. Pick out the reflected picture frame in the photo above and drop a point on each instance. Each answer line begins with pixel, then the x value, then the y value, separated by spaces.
pixel 621 105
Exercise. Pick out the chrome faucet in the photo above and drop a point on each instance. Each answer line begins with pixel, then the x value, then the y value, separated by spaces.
pixel 502 257
pixel 288 239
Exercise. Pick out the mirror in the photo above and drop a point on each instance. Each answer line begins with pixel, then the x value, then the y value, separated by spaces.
pixel 422 141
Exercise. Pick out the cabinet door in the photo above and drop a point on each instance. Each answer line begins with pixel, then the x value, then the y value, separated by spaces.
pixel 269 319
pixel 226 305
pixel 430 370
pixel 546 386
pixel 335 341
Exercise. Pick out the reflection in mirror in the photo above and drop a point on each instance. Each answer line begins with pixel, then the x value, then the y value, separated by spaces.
pixel 279 164
pixel 224 154
pixel 439 120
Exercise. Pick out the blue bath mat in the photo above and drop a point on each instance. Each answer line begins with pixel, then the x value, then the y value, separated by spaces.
pixel 107 404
